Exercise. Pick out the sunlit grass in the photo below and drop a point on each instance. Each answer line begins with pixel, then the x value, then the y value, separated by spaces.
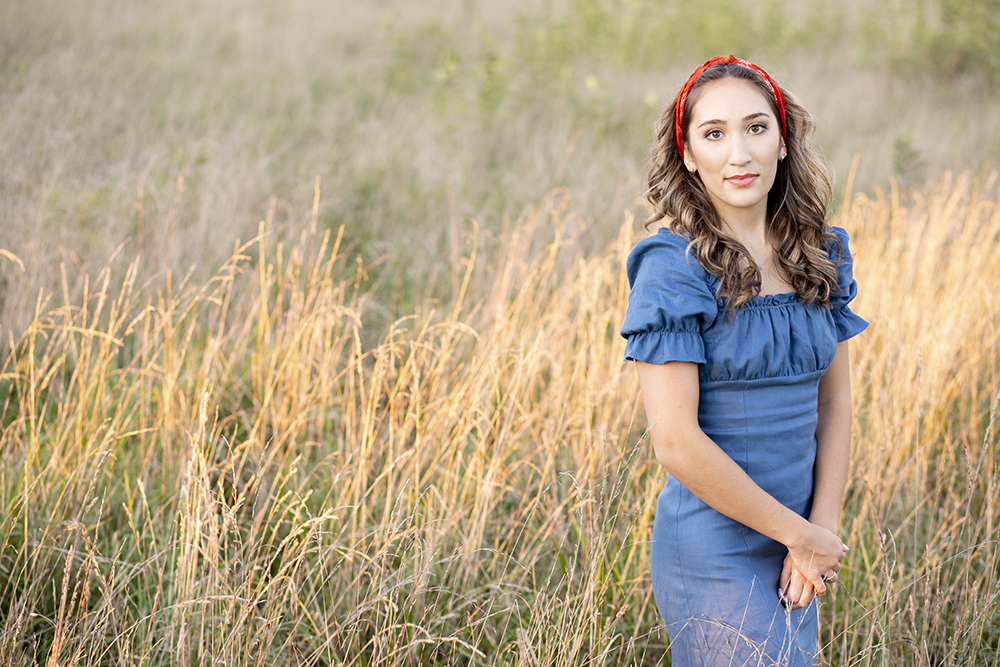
pixel 239 472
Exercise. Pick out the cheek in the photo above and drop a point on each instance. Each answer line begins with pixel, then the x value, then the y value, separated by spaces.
pixel 707 154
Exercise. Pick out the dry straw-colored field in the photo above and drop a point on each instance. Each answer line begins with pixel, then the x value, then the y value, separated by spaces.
pixel 231 472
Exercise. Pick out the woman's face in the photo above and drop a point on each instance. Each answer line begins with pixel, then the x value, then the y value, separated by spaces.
pixel 733 144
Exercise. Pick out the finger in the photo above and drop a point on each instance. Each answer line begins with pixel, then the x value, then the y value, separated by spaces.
pixel 815 578
pixel 804 590
pixel 794 589
pixel 812 572
pixel 804 600
pixel 808 594
pixel 786 575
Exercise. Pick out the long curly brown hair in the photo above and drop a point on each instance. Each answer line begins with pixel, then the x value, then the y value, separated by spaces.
pixel 796 205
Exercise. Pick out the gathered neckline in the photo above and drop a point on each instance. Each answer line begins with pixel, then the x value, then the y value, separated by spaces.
pixel 778 298
pixel 766 300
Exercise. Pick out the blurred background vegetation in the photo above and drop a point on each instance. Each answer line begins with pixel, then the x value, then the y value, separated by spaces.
pixel 163 130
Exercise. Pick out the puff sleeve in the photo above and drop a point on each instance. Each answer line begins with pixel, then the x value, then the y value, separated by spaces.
pixel 848 324
pixel 670 303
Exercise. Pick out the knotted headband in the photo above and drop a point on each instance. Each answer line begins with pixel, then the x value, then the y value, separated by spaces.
pixel 730 59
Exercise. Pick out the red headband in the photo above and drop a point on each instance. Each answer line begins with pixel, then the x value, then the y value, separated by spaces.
pixel 730 59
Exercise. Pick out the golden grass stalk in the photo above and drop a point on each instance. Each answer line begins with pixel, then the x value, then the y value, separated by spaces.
pixel 242 472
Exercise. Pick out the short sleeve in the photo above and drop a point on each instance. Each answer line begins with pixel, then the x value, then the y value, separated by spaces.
pixel 670 303
pixel 848 324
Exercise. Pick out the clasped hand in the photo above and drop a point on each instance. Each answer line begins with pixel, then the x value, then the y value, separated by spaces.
pixel 810 565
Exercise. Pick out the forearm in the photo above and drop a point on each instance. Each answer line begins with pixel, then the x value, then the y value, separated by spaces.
pixel 833 451
pixel 833 441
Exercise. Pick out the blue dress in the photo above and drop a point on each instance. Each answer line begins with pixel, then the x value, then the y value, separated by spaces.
pixel 715 580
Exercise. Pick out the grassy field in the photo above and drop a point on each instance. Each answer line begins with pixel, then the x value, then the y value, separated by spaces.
pixel 379 417
pixel 226 473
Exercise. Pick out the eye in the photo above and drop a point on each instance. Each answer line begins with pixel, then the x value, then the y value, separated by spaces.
pixel 713 134
pixel 757 128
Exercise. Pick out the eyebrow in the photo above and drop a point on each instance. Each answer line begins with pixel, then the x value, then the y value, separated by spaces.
pixel 716 121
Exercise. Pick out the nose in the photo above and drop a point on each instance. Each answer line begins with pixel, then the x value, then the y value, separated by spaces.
pixel 739 150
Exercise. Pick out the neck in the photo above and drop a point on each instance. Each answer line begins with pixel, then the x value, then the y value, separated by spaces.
pixel 749 227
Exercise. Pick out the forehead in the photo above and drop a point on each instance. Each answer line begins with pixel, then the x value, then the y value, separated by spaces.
pixel 728 99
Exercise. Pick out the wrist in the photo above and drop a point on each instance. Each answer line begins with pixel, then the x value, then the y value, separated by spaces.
pixel 796 533
pixel 829 520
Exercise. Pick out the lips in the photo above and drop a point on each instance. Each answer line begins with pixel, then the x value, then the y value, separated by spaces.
pixel 742 180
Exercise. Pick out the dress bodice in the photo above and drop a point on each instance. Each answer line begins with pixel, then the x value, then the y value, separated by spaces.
pixel 674 315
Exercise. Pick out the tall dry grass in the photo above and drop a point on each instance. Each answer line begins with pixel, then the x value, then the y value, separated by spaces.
pixel 240 472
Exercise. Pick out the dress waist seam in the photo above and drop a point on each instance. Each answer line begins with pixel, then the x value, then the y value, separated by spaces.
pixel 744 383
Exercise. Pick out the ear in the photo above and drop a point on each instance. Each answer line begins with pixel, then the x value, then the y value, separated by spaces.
pixel 688 160
pixel 783 152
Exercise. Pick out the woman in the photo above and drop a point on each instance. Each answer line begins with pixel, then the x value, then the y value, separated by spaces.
pixel 738 323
